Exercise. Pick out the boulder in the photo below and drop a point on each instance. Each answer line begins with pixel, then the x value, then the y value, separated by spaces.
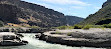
pixel 38 35
pixel 10 39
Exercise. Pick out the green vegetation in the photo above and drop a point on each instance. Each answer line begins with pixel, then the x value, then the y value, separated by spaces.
pixel 92 26
pixel 77 26
pixel 87 27
pixel 103 14
pixel 34 27
pixel 84 26
pixel 57 32
pixel 69 34
pixel 107 25
pixel 65 27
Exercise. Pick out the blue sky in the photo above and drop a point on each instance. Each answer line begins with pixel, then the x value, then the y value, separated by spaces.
pixel 80 8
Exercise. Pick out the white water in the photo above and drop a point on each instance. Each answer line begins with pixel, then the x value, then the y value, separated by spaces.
pixel 38 44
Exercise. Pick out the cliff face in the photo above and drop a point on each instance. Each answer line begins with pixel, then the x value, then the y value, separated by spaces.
pixel 106 3
pixel 71 20
pixel 103 16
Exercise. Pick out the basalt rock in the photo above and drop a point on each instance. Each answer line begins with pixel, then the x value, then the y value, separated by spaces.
pixel 89 38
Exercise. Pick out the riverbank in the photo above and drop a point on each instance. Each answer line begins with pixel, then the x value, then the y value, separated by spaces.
pixel 24 29
pixel 93 37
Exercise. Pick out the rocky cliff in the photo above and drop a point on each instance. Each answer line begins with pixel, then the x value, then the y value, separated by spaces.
pixel 106 3
pixel 103 16
pixel 22 13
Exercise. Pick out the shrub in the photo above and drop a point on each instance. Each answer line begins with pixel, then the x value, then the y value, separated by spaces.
pixel 92 26
pixel 87 27
pixel 96 26
pixel 107 25
pixel 65 27
pixel 57 32
pixel 69 34
pixel 78 26
pixel 61 27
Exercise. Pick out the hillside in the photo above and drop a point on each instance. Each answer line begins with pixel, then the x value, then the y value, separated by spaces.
pixel 103 16
pixel 71 20
pixel 24 13
pixel 21 13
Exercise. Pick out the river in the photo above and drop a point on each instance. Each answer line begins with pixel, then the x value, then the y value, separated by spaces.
pixel 38 44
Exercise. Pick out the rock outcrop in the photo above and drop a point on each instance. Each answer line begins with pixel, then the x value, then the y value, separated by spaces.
pixel 10 39
pixel 90 38
pixel 106 3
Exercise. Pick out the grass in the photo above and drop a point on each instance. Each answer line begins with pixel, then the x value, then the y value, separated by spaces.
pixel 69 34
pixel 34 27
pixel 64 27
pixel 107 25
pixel 57 32
pixel 84 26
pixel 77 26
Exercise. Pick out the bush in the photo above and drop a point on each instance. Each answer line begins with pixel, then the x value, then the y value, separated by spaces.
pixel 69 34
pixel 57 32
pixel 87 27
pixel 61 27
pixel 78 26
pixel 65 27
pixel 107 25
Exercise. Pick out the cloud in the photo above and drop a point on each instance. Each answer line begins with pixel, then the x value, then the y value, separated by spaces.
pixel 77 7
pixel 76 2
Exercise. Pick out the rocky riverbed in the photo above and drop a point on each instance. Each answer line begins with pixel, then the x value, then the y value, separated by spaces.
pixel 34 43
pixel 93 37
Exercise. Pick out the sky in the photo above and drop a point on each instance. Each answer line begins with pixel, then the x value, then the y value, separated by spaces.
pixel 80 8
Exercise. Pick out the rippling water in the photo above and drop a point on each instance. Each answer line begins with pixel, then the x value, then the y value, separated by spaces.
pixel 38 44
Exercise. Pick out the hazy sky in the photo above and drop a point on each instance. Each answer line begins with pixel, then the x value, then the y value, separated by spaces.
pixel 80 8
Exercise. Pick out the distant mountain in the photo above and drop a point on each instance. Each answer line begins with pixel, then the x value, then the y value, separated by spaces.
pixel 22 13
pixel 103 16
pixel 71 20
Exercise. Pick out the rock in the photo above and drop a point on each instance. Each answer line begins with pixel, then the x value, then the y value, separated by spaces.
pixel 10 39
pixel 19 35
pixel 38 35
pixel 89 38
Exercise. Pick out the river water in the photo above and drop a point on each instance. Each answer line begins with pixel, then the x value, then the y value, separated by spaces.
pixel 38 44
